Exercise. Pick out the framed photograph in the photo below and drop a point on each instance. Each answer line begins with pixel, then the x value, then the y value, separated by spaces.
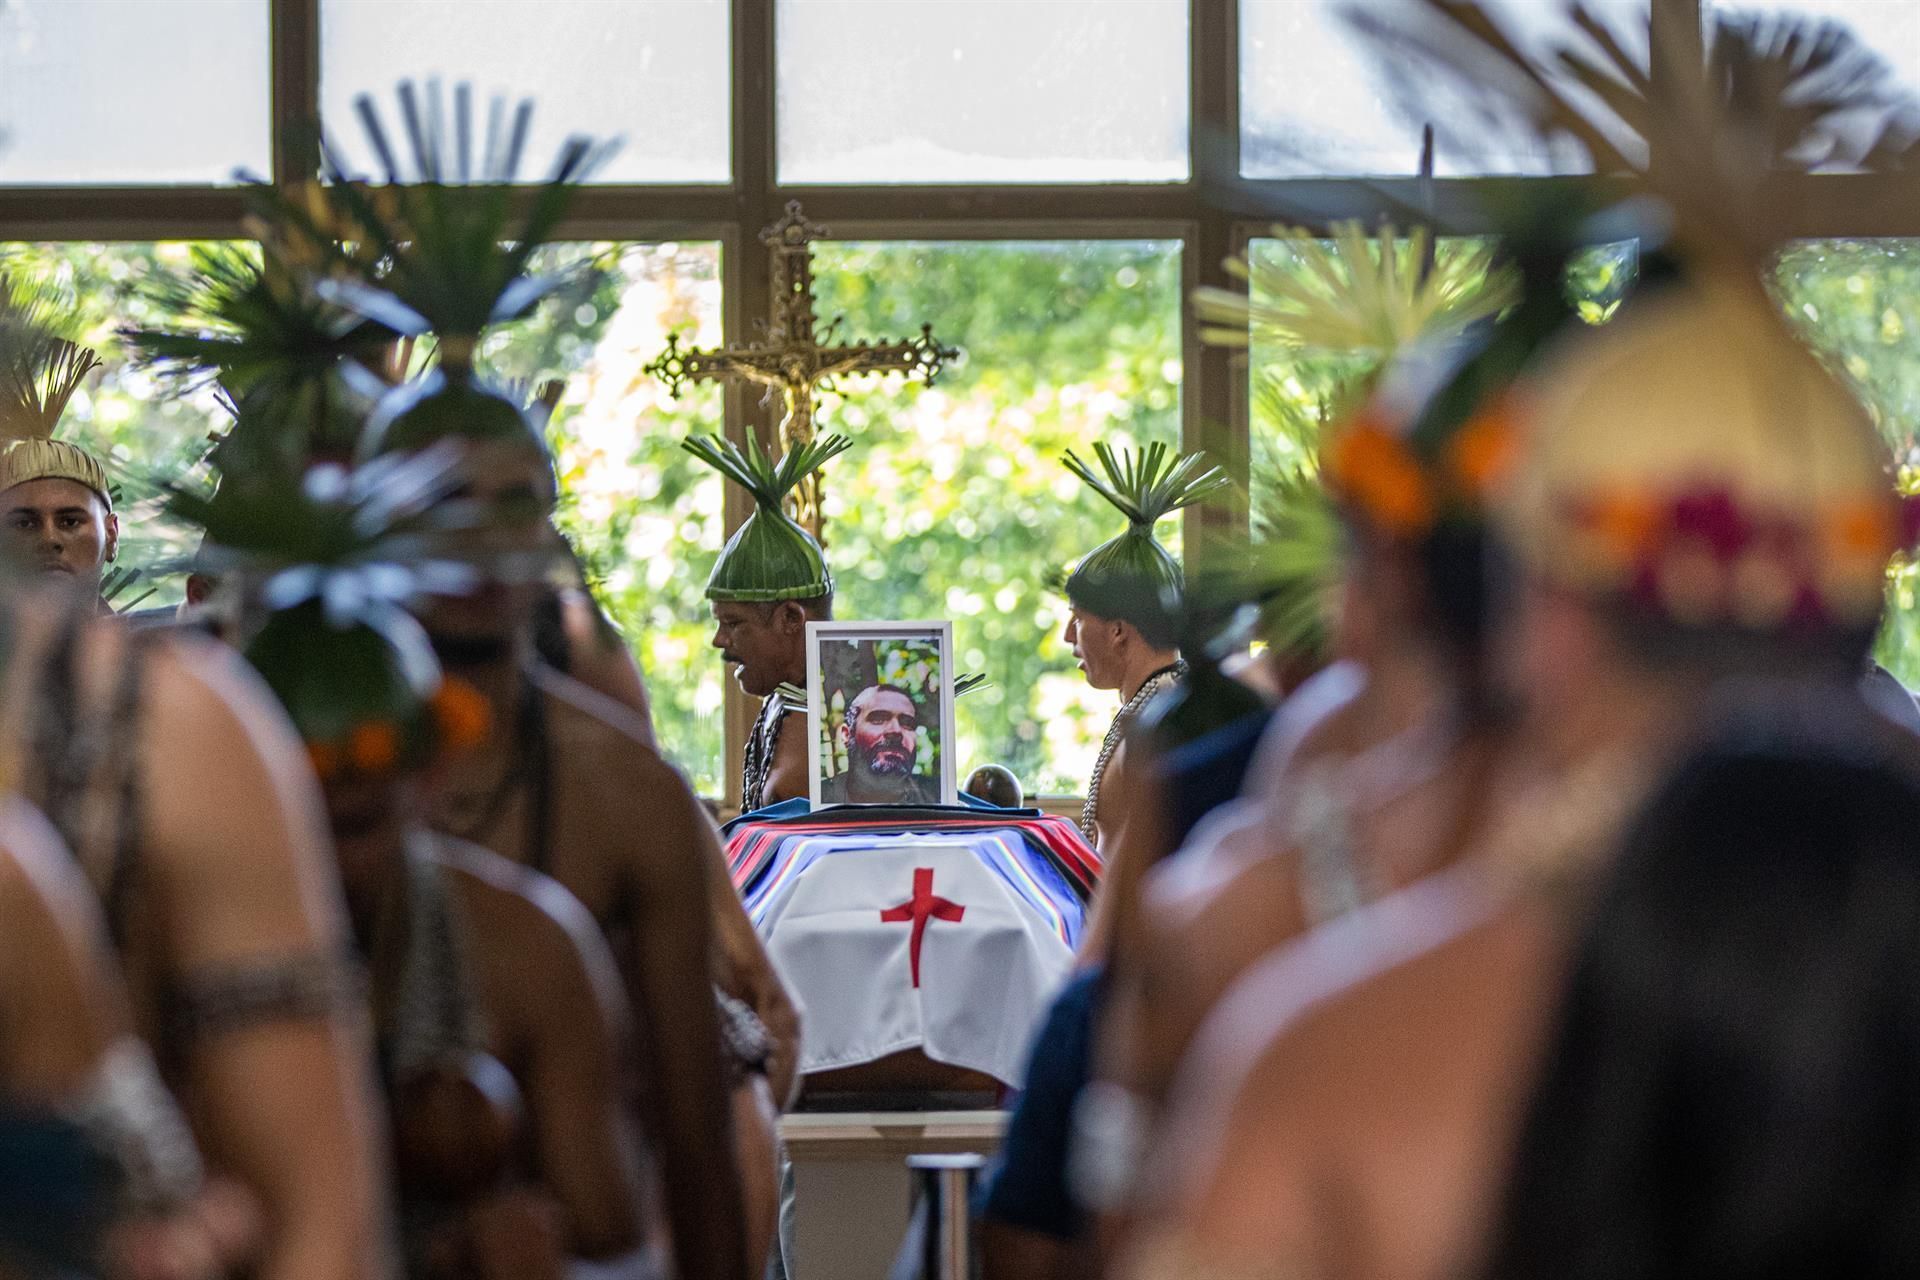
pixel 880 712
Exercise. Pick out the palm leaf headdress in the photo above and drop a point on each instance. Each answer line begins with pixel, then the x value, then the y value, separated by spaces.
pixel 440 246
pixel 770 557
pixel 258 328
pixel 1353 293
pixel 1133 575
pixel 40 372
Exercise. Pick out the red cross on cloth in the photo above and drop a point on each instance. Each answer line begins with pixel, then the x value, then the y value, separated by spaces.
pixel 920 908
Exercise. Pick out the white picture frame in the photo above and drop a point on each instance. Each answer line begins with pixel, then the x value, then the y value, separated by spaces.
pixel 848 659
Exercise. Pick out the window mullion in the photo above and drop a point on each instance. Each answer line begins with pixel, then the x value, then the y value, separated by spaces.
pixel 294 35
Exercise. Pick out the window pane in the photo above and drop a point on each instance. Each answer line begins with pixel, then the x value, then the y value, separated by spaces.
pixel 644 514
pixel 652 71
pixel 1858 303
pixel 143 434
pixel 1890 28
pixel 133 91
pixel 1314 102
pixel 882 91
pixel 953 503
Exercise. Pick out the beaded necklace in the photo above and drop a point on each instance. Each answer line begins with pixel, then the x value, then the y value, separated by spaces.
pixel 1153 684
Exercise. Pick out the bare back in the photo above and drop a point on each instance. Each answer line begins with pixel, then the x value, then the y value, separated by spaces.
pixel 1355 1106
pixel 207 850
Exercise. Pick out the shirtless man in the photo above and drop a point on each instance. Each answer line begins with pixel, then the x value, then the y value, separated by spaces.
pixel 1125 599
pixel 638 853
pixel 70 1059
pixel 1415 1023
pixel 593 655
pixel 224 914
pixel 770 581
pixel 473 961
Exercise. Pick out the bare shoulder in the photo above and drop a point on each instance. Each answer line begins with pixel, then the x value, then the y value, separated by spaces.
pixel 199 687
pixel 548 926
pixel 60 1001
pixel 514 896
pixel 585 717
pixel 1323 1037
pixel 29 849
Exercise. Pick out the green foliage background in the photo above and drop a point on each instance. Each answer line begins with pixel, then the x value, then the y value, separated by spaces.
pixel 953 503
pixel 1858 302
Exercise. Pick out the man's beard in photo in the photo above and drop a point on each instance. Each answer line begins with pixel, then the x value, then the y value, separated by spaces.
pixel 868 764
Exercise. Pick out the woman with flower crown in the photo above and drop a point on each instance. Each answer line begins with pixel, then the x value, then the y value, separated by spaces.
pixel 1683 522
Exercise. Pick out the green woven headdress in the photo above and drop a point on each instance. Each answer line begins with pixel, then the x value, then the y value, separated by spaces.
pixel 769 557
pixel 326 563
pixel 1133 577
pixel 39 373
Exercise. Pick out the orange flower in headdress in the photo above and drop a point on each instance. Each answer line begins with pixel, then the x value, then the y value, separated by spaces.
pixel 462 715
pixel 1623 526
pixel 374 747
pixel 1373 468
pixel 1858 532
pixel 1482 452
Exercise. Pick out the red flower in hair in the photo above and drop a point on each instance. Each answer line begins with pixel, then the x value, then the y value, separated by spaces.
pixel 1714 517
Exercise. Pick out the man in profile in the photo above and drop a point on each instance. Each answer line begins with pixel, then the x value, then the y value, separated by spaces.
pixel 881 735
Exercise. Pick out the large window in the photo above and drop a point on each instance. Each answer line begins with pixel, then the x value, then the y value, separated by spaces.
pixel 1043 180
pixel 953 502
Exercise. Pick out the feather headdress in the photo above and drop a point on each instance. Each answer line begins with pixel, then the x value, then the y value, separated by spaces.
pixel 39 374
pixel 1722 484
pixel 1132 577
pixel 1357 295
pixel 770 557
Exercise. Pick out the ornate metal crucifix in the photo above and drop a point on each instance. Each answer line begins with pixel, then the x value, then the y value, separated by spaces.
pixel 795 360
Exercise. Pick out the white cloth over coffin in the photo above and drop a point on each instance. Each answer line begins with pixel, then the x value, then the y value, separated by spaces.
pixel 985 980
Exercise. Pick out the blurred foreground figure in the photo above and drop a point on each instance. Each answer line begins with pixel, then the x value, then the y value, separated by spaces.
pixel 1375 773
pixel 1723 1091
pixel 353 276
pixel 498 1011
pixel 1673 516
pixel 97 1168
pixel 182 798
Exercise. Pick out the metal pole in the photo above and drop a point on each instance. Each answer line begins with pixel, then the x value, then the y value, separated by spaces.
pixel 943 1184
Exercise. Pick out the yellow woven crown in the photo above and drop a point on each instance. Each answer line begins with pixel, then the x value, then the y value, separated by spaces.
pixel 24 460
pixel 40 376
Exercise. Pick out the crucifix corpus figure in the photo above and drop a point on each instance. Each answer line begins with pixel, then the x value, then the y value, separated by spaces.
pixel 794 360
